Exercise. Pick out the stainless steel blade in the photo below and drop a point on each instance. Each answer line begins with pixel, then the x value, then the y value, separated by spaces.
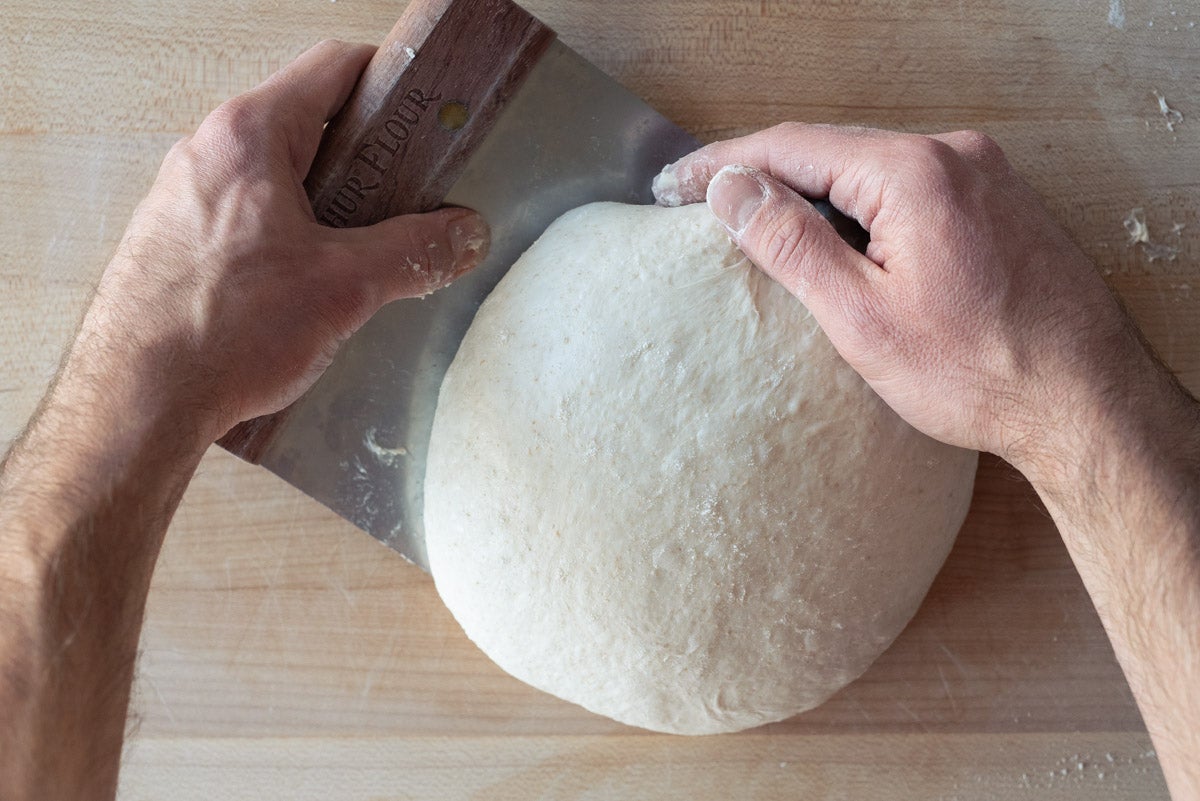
pixel 357 442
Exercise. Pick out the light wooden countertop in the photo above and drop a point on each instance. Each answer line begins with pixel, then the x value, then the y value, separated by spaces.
pixel 288 655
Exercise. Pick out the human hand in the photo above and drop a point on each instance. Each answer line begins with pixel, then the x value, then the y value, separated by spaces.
pixel 226 289
pixel 972 314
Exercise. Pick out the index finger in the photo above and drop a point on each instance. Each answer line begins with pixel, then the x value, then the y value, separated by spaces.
pixel 818 161
pixel 306 93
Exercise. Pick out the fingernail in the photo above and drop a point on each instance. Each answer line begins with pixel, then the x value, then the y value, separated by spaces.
pixel 469 240
pixel 735 195
pixel 665 187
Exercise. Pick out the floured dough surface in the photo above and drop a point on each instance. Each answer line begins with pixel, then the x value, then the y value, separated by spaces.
pixel 654 488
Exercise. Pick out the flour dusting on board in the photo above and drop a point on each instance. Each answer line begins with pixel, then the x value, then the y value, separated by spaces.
pixel 389 456
pixel 1079 774
pixel 1172 116
pixel 1139 234
pixel 1116 14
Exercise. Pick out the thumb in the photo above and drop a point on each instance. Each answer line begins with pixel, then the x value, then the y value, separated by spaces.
pixel 414 254
pixel 787 238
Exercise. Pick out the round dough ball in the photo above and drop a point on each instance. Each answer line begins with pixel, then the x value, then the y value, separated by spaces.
pixel 655 489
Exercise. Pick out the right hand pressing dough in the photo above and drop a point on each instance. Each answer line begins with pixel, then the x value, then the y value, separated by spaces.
pixel 654 488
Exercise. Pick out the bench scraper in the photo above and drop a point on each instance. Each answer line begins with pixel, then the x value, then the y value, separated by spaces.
pixel 472 103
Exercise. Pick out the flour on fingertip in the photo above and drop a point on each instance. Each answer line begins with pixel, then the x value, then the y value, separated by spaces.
pixel 666 188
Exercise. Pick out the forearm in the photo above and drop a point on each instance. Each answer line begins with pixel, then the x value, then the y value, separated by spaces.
pixel 1124 490
pixel 85 498
pixel 226 300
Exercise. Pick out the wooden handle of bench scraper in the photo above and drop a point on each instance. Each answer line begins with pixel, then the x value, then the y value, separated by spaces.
pixel 422 106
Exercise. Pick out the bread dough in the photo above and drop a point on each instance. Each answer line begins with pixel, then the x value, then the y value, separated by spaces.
pixel 654 488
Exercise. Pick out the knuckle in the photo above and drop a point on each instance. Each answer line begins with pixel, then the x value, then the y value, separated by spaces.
pixel 343 301
pixel 416 269
pixel 235 128
pixel 786 248
pixel 348 291
pixel 178 154
pixel 926 152
pixel 787 129
pixel 179 146
pixel 420 276
pixel 322 321
pixel 858 322
pixel 238 116
pixel 977 143
pixel 929 164
pixel 329 257
pixel 978 149
pixel 865 314
pixel 424 263
pixel 352 297
pixel 331 46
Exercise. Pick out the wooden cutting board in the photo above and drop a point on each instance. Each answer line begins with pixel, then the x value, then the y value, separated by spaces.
pixel 289 655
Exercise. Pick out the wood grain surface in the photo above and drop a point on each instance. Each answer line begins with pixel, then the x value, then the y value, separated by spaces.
pixel 288 655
